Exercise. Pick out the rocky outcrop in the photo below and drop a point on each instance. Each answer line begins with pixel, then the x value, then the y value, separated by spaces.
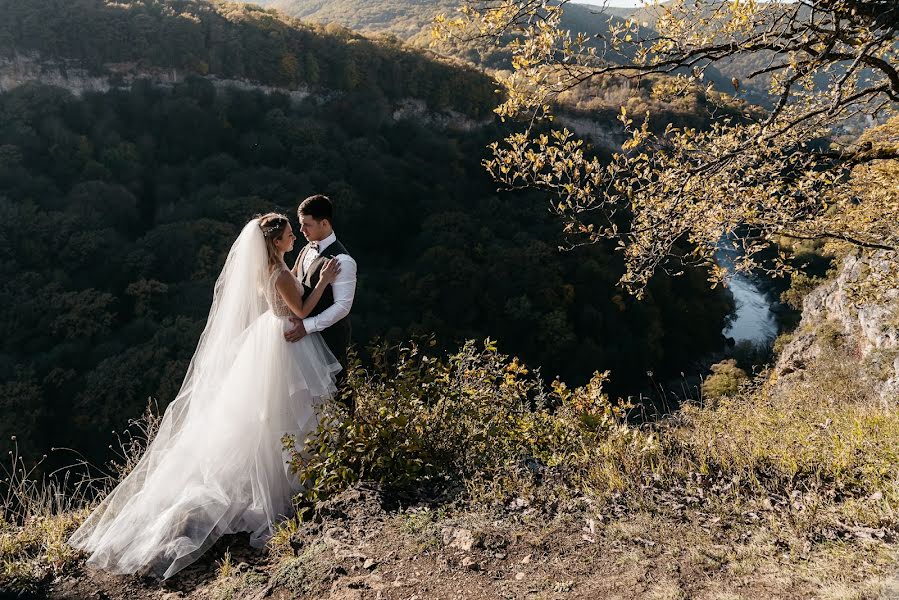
pixel 841 316
pixel 24 68
pixel 413 108
pixel 604 133
pixel 67 74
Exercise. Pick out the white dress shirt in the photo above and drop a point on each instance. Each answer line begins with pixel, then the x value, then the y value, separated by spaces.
pixel 344 287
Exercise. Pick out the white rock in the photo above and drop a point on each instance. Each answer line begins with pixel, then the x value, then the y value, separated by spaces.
pixel 462 539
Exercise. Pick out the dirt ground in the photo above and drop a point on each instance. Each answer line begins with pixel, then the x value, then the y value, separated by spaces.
pixel 358 549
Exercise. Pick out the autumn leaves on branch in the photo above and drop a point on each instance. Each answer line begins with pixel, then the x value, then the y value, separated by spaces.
pixel 797 170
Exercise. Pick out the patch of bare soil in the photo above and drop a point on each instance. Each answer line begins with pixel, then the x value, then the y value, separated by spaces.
pixel 361 547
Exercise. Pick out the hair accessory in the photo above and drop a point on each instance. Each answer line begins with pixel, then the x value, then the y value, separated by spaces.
pixel 276 224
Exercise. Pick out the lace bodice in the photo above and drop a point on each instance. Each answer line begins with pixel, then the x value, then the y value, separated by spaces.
pixel 273 297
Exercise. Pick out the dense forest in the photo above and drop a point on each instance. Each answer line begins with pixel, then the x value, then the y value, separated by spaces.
pixel 117 209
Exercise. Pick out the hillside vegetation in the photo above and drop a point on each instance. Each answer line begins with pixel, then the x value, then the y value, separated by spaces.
pixel 523 468
pixel 412 21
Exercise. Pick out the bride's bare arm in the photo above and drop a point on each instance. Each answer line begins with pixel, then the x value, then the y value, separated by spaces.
pixel 287 286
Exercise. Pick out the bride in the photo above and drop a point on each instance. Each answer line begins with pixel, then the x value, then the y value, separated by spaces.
pixel 216 465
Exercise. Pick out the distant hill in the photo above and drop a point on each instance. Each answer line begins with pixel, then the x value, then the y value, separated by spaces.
pixel 410 21
pixel 403 18
pixel 236 41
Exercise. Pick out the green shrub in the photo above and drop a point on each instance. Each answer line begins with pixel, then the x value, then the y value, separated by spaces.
pixel 725 380
pixel 478 418
pixel 781 342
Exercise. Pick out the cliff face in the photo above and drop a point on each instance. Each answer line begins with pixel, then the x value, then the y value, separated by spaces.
pixel 839 318
pixel 608 134
pixel 25 68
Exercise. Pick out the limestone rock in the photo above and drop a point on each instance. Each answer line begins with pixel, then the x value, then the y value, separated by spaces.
pixel 869 331
pixel 461 539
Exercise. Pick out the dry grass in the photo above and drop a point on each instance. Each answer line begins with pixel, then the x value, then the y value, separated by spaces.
pixel 820 433
pixel 40 511
pixel 36 550
pixel 38 516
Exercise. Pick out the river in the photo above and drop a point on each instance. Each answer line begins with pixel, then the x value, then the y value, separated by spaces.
pixel 753 321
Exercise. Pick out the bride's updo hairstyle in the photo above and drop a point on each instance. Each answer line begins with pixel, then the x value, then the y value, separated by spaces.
pixel 273 226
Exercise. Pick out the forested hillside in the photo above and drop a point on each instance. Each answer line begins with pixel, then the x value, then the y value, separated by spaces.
pixel 235 41
pixel 116 211
pixel 406 19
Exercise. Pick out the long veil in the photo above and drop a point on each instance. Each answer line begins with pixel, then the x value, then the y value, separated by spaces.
pixel 182 495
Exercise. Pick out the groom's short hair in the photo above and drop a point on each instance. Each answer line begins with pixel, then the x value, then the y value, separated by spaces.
pixel 318 207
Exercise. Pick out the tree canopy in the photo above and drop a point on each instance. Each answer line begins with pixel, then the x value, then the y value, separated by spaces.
pixel 830 66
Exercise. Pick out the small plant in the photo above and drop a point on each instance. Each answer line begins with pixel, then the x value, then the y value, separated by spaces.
pixel 725 380
pixel 831 334
pixel 226 567
pixel 279 544
pixel 800 286
pixel 781 342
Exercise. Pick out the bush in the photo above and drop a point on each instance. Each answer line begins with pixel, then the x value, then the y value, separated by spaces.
pixel 725 380
pixel 478 418
pixel 781 342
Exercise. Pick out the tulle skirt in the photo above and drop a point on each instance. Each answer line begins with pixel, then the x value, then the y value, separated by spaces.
pixel 216 465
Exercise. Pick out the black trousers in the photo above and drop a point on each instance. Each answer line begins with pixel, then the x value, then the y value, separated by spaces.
pixel 338 339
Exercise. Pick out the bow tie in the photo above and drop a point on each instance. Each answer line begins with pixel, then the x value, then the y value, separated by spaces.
pixel 313 245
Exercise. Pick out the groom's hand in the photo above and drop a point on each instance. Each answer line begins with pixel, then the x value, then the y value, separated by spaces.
pixel 297 333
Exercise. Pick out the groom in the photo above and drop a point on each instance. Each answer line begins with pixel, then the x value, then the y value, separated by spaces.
pixel 331 315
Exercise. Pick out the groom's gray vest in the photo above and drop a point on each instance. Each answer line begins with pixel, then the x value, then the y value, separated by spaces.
pixel 337 336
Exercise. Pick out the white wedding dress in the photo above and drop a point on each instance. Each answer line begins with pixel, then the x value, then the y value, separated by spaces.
pixel 217 465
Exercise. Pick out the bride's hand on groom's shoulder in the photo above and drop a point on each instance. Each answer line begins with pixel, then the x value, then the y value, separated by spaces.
pixel 330 271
